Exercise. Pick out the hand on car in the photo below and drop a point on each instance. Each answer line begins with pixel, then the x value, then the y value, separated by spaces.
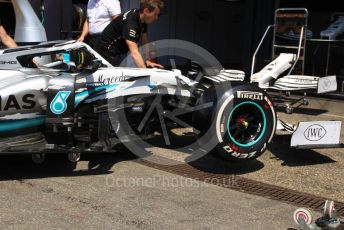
pixel 150 64
pixel 81 39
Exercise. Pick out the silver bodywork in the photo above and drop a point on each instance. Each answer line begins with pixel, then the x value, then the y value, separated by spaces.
pixel 19 85
pixel 23 89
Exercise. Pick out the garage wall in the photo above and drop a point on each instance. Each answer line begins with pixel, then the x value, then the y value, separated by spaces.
pixel 216 25
pixel 229 29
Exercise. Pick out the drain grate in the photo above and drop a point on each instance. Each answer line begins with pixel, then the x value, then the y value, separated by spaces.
pixel 245 185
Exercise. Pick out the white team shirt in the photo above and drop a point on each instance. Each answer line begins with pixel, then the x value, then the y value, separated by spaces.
pixel 99 14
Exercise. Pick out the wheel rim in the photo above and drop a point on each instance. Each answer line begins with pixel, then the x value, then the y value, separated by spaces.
pixel 246 124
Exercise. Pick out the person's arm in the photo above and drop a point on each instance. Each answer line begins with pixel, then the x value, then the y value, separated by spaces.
pixel 84 31
pixel 144 42
pixel 114 16
pixel 135 54
pixel 6 39
pixel 114 8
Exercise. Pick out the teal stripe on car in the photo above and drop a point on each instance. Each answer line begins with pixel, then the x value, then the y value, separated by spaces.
pixel 7 126
pixel 79 97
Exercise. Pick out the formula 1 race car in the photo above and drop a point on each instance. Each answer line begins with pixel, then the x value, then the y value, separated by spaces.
pixel 64 97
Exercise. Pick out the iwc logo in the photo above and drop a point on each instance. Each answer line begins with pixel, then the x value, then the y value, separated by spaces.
pixel 315 133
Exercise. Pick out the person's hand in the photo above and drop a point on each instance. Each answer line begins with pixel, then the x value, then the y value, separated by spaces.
pixel 81 39
pixel 154 65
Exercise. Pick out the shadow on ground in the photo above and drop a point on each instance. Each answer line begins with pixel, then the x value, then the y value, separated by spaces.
pixel 19 167
pixel 295 157
pixel 176 141
pixel 280 103
pixel 213 164
pixel 210 163
pixel 301 110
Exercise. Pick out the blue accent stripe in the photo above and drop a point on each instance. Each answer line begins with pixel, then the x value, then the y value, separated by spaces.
pixel 79 97
pixel 21 124
pixel 261 134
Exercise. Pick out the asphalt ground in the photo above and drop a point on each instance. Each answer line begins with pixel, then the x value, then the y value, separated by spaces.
pixel 315 171
pixel 113 191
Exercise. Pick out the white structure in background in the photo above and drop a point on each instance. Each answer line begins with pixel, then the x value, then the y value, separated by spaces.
pixel 28 27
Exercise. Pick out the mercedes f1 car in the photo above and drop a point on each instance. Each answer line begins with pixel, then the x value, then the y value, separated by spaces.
pixel 64 97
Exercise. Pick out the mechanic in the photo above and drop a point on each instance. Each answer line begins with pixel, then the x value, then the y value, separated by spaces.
pixel 124 33
pixel 99 14
pixel 5 38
